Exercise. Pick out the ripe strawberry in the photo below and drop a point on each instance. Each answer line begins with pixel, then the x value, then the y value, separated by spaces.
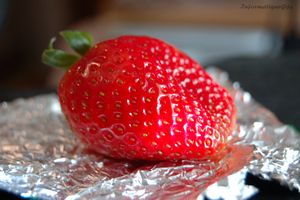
pixel 137 97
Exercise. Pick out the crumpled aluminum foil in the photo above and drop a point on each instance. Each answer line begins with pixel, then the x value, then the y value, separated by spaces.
pixel 40 157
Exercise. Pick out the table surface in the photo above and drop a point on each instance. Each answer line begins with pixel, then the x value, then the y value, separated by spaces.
pixel 274 82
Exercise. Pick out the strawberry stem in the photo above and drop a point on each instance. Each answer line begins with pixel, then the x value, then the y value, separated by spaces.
pixel 80 42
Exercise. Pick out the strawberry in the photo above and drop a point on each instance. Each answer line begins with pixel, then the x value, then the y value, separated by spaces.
pixel 137 97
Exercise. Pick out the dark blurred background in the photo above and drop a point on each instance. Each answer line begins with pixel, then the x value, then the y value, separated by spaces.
pixel 256 41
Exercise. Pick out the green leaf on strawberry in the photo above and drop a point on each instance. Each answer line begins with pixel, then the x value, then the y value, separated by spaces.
pixel 58 58
pixel 80 42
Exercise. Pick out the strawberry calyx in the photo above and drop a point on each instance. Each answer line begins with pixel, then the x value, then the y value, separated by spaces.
pixel 79 41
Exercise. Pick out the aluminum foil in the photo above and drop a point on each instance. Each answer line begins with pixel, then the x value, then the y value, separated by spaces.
pixel 40 157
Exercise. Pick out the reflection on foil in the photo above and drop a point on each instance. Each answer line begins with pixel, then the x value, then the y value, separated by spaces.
pixel 40 157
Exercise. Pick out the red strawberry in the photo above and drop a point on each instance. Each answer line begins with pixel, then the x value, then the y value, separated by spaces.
pixel 137 97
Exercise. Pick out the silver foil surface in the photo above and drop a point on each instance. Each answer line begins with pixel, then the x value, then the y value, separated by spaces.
pixel 40 157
